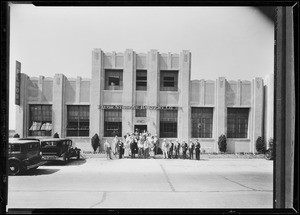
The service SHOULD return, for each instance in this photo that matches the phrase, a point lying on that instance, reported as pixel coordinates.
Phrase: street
(145, 183)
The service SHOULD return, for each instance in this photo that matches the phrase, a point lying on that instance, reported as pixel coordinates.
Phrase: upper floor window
(237, 122)
(168, 80)
(113, 79)
(40, 120)
(141, 80)
(202, 121)
(78, 120)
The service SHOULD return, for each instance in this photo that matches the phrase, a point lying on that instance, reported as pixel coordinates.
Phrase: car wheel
(14, 167)
(268, 155)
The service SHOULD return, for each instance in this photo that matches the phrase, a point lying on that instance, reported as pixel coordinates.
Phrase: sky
(231, 42)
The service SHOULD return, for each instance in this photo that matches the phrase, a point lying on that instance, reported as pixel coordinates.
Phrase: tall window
(237, 122)
(168, 123)
(40, 119)
(112, 123)
(141, 80)
(113, 79)
(168, 80)
(140, 112)
(202, 119)
(78, 119)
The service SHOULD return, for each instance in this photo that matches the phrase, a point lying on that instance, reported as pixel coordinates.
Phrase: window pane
(40, 120)
(78, 120)
(168, 80)
(202, 119)
(140, 112)
(237, 122)
(168, 123)
(113, 79)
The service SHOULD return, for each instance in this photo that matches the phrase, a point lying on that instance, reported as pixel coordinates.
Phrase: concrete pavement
(146, 183)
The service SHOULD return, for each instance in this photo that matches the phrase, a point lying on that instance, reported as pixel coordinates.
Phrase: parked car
(58, 149)
(23, 154)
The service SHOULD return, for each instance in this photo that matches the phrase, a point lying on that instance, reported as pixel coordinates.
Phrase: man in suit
(197, 149)
(120, 147)
(177, 148)
(191, 149)
(184, 147)
(170, 154)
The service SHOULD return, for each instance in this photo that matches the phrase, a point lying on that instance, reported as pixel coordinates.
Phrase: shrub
(56, 135)
(260, 145)
(222, 143)
(95, 142)
(16, 135)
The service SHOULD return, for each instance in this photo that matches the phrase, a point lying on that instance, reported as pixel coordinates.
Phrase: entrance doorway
(140, 128)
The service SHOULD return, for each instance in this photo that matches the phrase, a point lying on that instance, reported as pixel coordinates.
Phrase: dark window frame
(168, 127)
(78, 121)
(113, 76)
(112, 122)
(202, 122)
(141, 80)
(40, 113)
(237, 122)
(169, 80)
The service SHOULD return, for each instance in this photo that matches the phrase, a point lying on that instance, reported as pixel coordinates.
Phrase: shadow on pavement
(39, 171)
(72, 162)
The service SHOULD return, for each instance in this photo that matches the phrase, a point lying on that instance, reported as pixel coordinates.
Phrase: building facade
(150, 91)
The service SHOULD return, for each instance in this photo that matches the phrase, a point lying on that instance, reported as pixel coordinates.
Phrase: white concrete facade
(221, 94)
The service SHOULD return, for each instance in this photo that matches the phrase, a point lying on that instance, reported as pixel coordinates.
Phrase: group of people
(175, 150)
(146, 146)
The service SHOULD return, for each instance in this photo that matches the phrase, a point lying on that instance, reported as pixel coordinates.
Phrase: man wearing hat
(191, 149)
(197, 149)
(184, 147)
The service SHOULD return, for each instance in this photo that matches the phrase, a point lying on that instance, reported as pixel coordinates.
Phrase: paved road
(150, 183)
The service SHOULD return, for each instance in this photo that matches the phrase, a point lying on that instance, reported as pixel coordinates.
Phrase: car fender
(16, 160)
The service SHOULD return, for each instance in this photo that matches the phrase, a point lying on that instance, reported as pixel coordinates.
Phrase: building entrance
(140, 128)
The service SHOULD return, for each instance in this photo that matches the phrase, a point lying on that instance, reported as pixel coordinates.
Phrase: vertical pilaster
(184, 112)
(58, 106)
(221, 112)
(128, 90)
(97, 87)
(153, 89)
(40, 88)
(77, 93)
(202, 91)
(257, 111)
(238, 100)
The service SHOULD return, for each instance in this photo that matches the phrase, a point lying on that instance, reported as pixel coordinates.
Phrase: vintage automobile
(23, 154)
(58, 149)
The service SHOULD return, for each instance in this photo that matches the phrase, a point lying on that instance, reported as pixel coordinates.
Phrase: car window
(14, 148)
(32, 146)
(49, 143)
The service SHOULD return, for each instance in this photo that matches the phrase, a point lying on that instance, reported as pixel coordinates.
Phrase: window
(78, 122)
(141, 80)
(168, 123)
(140, 113)
(40, 120)
(202, 119)
(168, 80)
(112, 123)
(14, 148)
(237, 122)
(113, 79)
